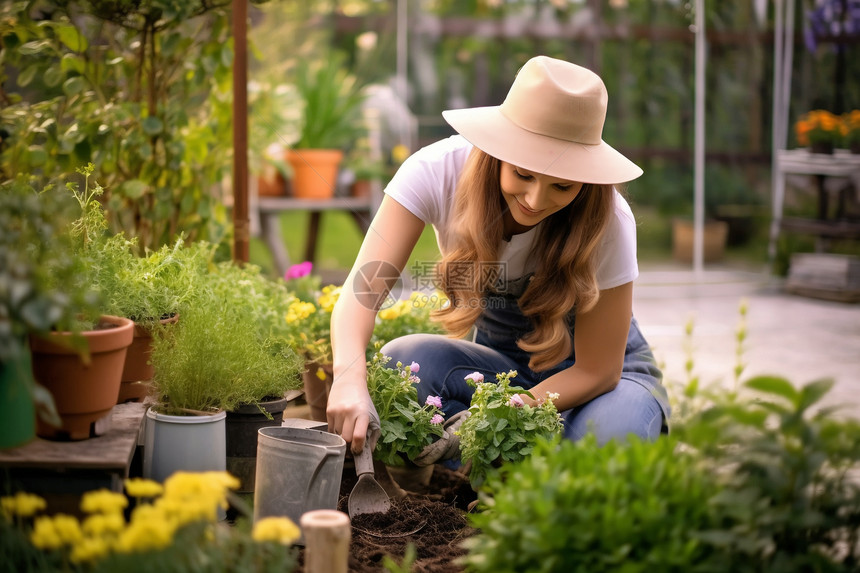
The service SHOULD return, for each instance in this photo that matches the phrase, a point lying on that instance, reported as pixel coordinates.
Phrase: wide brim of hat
(489, 130)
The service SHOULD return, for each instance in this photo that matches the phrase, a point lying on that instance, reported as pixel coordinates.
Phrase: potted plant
(82, 368)
(332, 101)
(221, 355)
(274, 116)
(42, 289)
(819, 130)
(150, 290)
(262, 399)
(406, 426)
(309, 333)
(500, 427)
(364, 168)
(851, 130)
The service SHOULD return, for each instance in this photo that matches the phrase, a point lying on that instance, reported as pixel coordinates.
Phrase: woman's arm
(600, 339)
(386, 248)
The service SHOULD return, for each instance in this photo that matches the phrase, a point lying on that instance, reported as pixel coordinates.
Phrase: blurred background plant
(818, 126)
(143, 91)
(402, 317)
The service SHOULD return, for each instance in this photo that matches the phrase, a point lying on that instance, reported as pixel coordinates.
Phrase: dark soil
(433, 520)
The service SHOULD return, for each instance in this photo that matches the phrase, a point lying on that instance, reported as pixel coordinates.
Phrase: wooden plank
(111, 451)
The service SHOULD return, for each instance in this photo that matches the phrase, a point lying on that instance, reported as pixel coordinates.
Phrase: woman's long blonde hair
(564, 278)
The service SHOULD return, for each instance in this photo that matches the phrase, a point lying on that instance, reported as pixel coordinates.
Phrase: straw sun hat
(551, 122)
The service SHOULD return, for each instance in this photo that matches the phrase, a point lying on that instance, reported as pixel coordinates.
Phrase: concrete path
(799, 338)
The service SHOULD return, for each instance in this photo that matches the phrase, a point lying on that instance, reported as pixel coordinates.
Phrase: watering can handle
(364, 461)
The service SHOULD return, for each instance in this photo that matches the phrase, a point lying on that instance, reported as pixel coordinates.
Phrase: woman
(538, 261)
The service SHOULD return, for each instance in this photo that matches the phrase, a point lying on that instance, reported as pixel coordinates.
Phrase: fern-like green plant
(226, 349)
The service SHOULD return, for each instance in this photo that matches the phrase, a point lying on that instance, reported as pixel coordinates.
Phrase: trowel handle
(364, 461)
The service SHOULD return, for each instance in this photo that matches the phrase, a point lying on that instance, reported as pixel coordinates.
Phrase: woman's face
(532, 197)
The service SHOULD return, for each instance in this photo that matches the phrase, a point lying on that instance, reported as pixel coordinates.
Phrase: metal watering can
(298, 470)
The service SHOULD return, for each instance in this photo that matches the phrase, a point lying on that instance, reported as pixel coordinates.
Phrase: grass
(340, 238)
(338, 242)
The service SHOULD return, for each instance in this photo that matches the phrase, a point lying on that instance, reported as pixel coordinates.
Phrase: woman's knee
(628, 409)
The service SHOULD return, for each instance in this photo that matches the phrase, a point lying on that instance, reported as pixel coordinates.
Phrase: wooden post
(241, 221)
(327, 535)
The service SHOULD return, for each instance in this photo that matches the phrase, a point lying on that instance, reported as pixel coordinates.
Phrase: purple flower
(516, 401)
(434, 401)
(437, 419)
(299, 270)
(414, 367)
(475, 377)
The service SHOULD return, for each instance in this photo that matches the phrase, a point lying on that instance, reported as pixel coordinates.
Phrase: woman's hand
(351, 413)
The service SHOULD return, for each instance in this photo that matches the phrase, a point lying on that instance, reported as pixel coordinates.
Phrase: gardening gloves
(448, 446)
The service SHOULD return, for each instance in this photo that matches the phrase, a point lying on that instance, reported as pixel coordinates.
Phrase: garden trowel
(367, 496)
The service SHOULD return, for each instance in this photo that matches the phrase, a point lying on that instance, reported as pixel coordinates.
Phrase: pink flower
(516, 401)
(475, 377)
(437, 419)
(299, 270)
(414, 367)
(434, 401)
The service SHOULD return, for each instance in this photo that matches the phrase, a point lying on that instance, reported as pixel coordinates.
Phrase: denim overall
(638, 404)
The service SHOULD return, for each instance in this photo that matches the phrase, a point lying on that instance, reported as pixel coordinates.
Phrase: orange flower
(818, 126)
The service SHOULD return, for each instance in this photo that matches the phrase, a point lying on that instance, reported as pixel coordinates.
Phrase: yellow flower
(299, 310)
(99, 524)
(139, 487)
(278, 529)
(21, 504)
(399, 153)
(149, 530)
(55, 532)
(389, 313)
(103, 501)
(89, 549)
(329, 297)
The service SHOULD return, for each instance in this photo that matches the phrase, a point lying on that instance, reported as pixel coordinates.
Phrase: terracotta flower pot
(317, 380)
(84, 391)
(314, 172)
(683, 235)
(137, 371)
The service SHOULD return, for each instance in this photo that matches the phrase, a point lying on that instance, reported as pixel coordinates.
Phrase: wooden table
(62, 471)
(362, 210)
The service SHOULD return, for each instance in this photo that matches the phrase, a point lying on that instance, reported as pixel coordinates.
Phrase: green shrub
(574, 506)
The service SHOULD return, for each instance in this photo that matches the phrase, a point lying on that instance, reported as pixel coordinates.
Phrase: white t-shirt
(426, 182)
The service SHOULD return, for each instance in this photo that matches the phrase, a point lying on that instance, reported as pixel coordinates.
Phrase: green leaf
(34, 48)
(27, 74)
(152, 125)
(133, 189)
(813, 392)
(73, 86)
(53, 76)
(774, 385)
(37, 155)
(71, 37)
